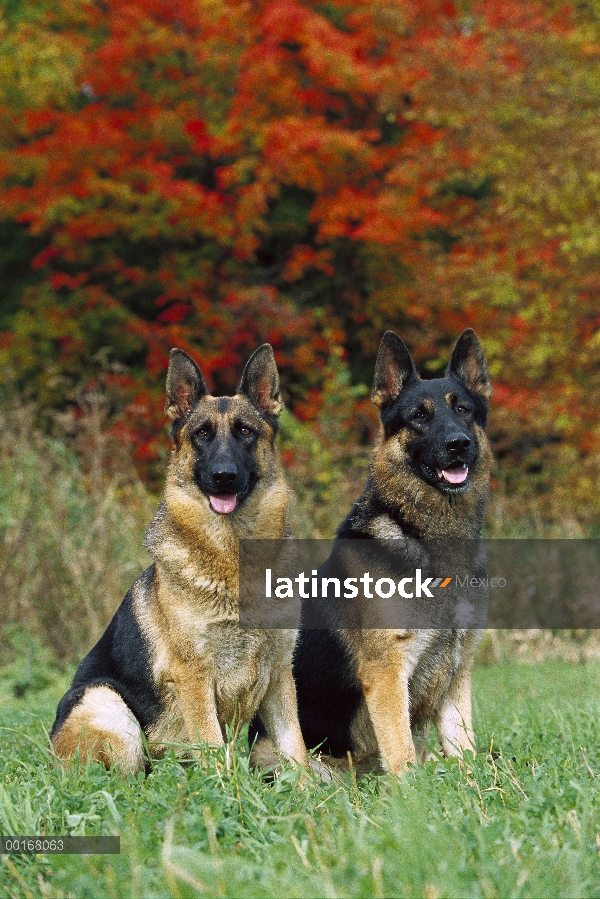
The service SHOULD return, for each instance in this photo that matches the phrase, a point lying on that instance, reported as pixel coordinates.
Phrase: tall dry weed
(70, 533)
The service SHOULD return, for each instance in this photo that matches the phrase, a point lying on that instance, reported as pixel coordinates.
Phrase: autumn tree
(212, 175)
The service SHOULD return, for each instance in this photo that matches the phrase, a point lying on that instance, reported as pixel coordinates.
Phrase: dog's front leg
(279, 713)
(454, 722)
(385, 686)
(196, 694)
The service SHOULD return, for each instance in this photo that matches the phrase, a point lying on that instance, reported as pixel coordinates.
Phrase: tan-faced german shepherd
(364, 689)
(173, 664)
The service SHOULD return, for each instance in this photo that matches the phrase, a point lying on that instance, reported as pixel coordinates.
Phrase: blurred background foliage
(213, 174)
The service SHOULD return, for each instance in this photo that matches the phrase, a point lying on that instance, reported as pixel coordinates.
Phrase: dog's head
(434, 430)
(223, 445)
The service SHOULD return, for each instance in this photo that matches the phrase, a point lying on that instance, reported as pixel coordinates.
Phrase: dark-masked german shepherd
(363, 689)
(173, 664)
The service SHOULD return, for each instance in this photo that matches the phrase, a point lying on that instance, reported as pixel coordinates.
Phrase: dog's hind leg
(101, 727)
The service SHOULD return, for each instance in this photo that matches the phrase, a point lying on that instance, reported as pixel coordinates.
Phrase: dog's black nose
(224, 476)
(458, 443)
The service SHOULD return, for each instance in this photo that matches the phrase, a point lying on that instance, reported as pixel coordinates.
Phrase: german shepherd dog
(364, 689)
(173, 664)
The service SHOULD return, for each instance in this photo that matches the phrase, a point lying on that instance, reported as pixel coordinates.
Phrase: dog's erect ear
(468, 363)
(260, 381)
(185, 385)
(393, 370)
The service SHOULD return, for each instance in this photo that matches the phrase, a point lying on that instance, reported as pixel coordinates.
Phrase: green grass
(522, 819)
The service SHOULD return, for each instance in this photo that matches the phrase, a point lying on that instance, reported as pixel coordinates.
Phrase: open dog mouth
(454, 478)
(223, 503)
(456, 475)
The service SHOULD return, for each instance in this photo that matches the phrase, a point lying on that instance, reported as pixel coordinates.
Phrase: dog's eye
(201, 432)
(462, 410)
(245, 432)
(419, 415)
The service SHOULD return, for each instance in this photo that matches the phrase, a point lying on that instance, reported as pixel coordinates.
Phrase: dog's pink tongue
(454, 475)
(225, 503)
